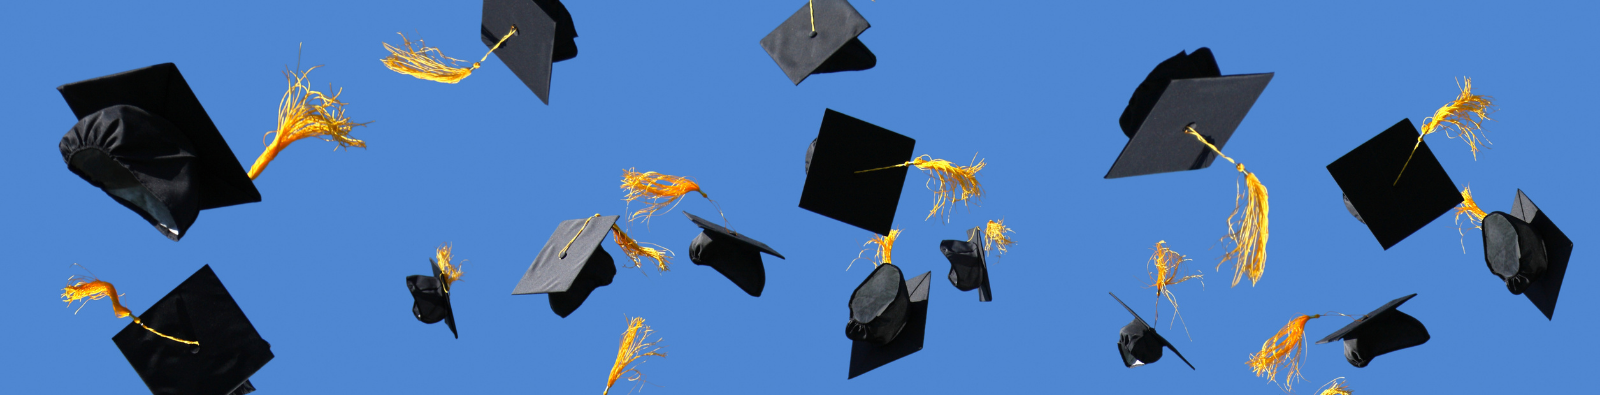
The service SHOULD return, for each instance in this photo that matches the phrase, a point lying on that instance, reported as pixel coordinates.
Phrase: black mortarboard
(1183, 91)
(844, 146)
(969, 266)
(888, 318)
(1527, 251)
(1139, 344)
(430, 297)
(199, 310)
(820, 38)
(571, 264)
(544, 36)
(1394, 210)
(143, 138)
(1380, 332)
(736, 256)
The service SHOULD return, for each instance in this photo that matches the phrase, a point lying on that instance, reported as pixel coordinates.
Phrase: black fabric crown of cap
(820, 38)
(1527, 251)
(571, 264)
(430, 297)
(1187, 90)
(143, 138)
(1394, 209)
(1382, 331)
(545, 35)
(835, 189)
(199, 309)
(969, 267)
(736, 256)
(888, 318)
(1139, 344)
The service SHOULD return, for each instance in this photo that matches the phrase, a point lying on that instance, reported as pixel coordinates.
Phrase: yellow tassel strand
(1474, 215)
(634, 345)
(1166, 262)
(429, 64)
(95, 290)
(451, 273)
(1283, 350)
(306, 113)
(1465, 114)
(950, 177)
(885, 247)
(994, 236)
(659, 190)
(1336, 387)
(1250, 237)
(633, 249)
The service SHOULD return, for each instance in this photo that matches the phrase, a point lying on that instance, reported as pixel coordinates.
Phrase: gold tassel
(1166, 262)
(885, 247)
(1465, 114)
(1474, 215)
(994, 236)
(429, 64)
(306, 113)
(632, 347)
(1250, 238)
(633, 249)
(1336, 387)
(95, 290)
(659, 190)
(451, 273)
(1283, 350)
(950, 177)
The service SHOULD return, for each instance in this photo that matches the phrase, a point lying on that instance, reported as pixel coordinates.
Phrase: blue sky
(683, 88)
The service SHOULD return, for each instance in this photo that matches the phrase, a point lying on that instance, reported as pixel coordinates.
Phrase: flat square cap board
(832, 47)
(571, 264)
(199, 310)
(734, 255)
(866, 356)
(1392, 211)
(1544, 291)
(1384, 330)
(1213, 106)
(1139, 343)
(545, 35)
(833, 188)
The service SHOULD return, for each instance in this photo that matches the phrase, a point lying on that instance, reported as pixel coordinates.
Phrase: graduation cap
(820, 38)
(431, 298)
(544, 35)
(969, 267)
(1394, 209)
(888, 318)
(199, 309)
(1140, 344)
(1527, 251)
(143, 138)
(571, 264)
(844, 146)
(1187, 90)
(1382, 331)
(736, 256)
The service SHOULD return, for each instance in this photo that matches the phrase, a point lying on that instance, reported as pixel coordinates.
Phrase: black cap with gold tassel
(572, 264)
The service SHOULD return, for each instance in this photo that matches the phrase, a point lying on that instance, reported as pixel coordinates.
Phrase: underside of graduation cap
(430, 302)
(544, 35)
(198, 310)
(571, 264)
(820, 38)
(1544, 291)
(968, 266)
(866, 356)
(1393, 209)
(1382, 331)
(736, 256)
(1213, 106)
(1139, 343)
(141, 161)
(1199, 64)
(835, 189)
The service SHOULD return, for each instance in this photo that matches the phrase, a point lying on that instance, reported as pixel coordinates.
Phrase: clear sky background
(682, 87)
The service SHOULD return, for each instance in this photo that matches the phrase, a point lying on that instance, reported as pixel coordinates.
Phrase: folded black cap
(1382, 331)
(430, 297)
(888, 318)
(969, 266)
(200, 310)
(1183, 91)
(1393, 210)
(736, 256)
(544, 36)
(143, 138)
(1140, 344)
(1527, 251)
(833, 187)
(571, 264)
(820, 38)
